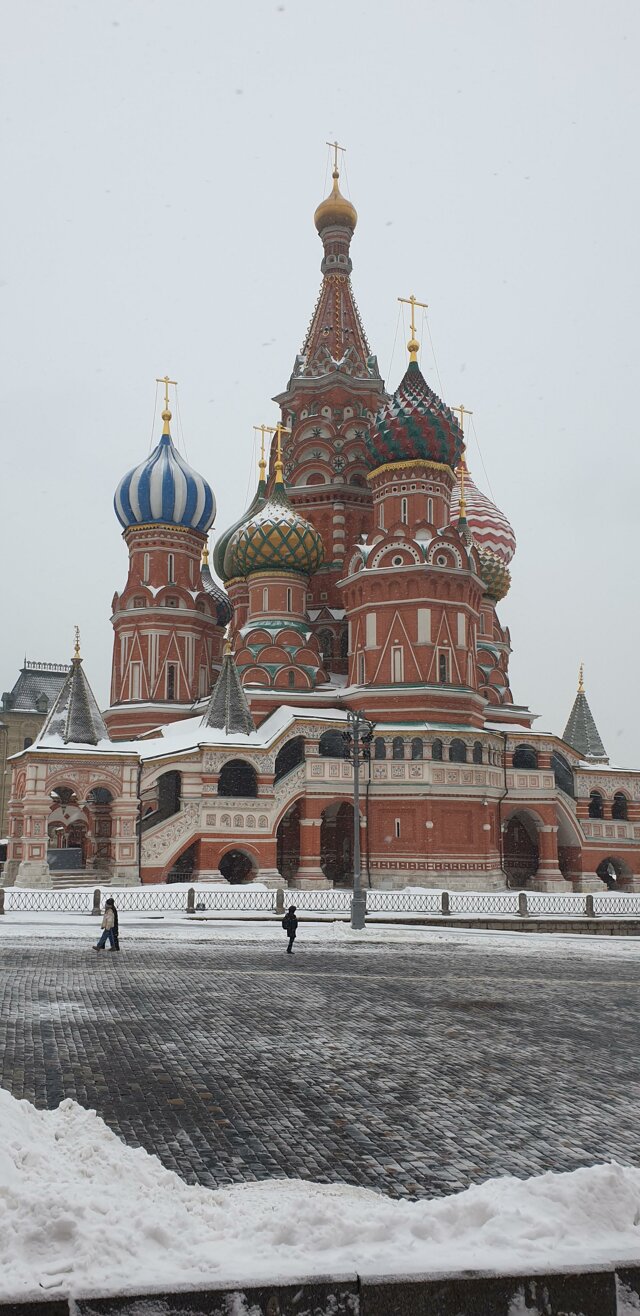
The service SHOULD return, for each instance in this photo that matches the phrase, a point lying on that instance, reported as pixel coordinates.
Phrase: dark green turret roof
(581, 731)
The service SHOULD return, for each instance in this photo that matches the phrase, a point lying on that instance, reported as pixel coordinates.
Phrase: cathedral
(366, 575)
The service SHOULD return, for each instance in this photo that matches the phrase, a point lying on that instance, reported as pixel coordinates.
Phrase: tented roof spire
(581, 731)
(228, 709)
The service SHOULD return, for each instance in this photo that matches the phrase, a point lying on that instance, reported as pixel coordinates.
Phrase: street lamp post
(358, 738)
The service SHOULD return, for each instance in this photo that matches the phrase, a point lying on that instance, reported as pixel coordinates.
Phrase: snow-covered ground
(315, 930)
(80, 1211)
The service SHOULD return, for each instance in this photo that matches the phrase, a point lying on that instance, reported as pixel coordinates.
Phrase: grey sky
(161, 163)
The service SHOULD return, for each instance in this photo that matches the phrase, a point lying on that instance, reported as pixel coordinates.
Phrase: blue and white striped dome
(165, 490)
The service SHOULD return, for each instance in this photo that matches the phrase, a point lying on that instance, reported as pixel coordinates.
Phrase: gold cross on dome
(262, 430)
(335, 148)
(413, 344)
(280, 430)
(462, 412)
(166, 381)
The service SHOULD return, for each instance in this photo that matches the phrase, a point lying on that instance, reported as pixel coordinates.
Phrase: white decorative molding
(165, 838)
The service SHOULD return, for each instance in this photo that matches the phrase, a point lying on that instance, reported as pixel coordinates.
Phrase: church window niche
(563, 774)
(397, 829)
(331, 745)
(265, 600)
(482, 623)
(325, 640)
(135, 678)
(29, 741)
(457, 751)
(525, 756)
(202, 682)
(619, 807)
(380, 748)
(289, 757)
(436, 751)
(397, 663)
(381, 516)
(477, 751)
(139, 602)
(238, 780)
(443, 667)
(397, 748)
(344, 643)
(291, 677)
(417, 748)
(289, 600)
(596, 807)
(361, 671)
(171, 569)
(171, 681)
(404, 510)
(145, 569)
(430, 510)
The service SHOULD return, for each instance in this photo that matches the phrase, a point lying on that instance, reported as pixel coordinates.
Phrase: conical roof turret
(581, 731)
(75, 718)
(228, 709)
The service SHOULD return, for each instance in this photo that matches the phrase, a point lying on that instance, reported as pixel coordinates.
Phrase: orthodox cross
(413, 344)
(335, 148)
(462, 412)
(280, 430)
(262, 430)
(166, 415)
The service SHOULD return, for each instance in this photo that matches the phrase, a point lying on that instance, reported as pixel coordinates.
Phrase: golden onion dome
(335, 209)
(495, 574)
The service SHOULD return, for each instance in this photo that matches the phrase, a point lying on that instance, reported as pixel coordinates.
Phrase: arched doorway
(520, 850)
(182, 868)
(288, 844)
(336, 843)
(615, 873)
(237, 867)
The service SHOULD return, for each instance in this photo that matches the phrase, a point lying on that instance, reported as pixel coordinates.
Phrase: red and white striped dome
(488, 525)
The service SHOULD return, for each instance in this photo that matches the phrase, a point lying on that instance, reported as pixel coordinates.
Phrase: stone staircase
(79, 878)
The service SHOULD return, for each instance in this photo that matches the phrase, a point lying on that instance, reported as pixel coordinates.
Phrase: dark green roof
(582, 733)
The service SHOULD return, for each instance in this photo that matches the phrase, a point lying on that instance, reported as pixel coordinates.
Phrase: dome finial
(166, 415)
(280, 430)
(581, 679)
(461, 470)
(413, 346)
(76, 648)
(262, 464)
(335, 209)
(205, 554)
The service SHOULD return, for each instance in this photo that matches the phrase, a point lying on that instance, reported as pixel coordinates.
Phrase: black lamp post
(357, 744)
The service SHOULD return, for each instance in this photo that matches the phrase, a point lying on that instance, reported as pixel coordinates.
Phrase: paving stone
(415, 1071)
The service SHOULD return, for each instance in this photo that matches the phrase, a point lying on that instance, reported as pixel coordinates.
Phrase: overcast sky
(161, 161)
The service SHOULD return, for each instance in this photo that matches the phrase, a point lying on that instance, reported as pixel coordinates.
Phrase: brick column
(548, 877)
(310, 873)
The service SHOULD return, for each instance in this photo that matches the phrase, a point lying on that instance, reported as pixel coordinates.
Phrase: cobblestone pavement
(414, 1070)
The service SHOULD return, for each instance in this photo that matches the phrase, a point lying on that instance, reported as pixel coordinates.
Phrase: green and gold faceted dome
(495, 574)
(276, 538)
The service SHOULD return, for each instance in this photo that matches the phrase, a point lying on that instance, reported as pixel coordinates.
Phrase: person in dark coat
(116, 934)
(290, 924)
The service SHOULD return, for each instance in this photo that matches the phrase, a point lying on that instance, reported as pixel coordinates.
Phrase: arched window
(430, 510)
(28, 740)
(291, 677)
(619, 807)
(381, 516)
(436, 751)
(404, 510)
(289, 757)
(524, 756)
(170, 568)
(397, 749)
(596, 809)
(477, 751)
(563, 774)
(289, 600)
(238, 779)
(417, 748)
(331, 745)
(380, 748)
(457, 751)
(265, 599)
(145, 568)
(325, 640)
(101, 795)
(443, 668)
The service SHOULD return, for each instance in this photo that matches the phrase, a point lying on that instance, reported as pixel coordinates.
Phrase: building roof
(36, 683)
(581, 731)
(228, 708)
(75, 717)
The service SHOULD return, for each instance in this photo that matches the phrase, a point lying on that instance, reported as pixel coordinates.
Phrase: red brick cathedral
(365, 575)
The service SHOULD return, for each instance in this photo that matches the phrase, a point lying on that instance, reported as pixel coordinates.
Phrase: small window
(381, 516)
(397, 829)
(145, 569)
(361, 672)
(135, 678)
(380, 748)
(289, 600)
(443, 668)
(171, 681)
(457, 751)
(477, 751)
(265, 600)
(171, 569)
(619, 807)
(28, 740)
(482, 623)
(417, 748)
(291, 678)
(596, 807)
(397, 663)
(436, 751)
(171, 602)
(430, 510)
(397, 749)
(404, 510)
(525, 756)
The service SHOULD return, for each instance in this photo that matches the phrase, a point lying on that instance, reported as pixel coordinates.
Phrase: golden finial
(462, 411)
(461, 472)
(581, 679)
(262, 464)
(335, 148)
(413, 346)
(335, 209)
(205, 554)
(166, 415)
(280, 430)
(76, 650)
(228, 648)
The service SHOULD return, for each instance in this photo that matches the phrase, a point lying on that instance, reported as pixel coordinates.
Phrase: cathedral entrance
(520, 850)
(236, 867)
(336, 843)
(288, 844)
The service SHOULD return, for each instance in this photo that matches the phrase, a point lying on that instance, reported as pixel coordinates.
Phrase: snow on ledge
(81, 1211)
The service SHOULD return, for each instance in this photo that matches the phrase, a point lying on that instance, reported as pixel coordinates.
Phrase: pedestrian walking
(109, 926)
(290, 925)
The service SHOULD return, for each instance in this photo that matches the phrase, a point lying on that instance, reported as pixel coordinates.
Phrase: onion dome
(488, 525)
(415, 425)
(223, 560)
(164, 490)
(495, 574)
(276, 537)
(335, 209)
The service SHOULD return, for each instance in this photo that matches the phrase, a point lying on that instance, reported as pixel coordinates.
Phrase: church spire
(228, 709)
(581, 731)
(75, 718)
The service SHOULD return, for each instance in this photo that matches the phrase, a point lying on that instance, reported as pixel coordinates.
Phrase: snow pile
(80, 1211)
